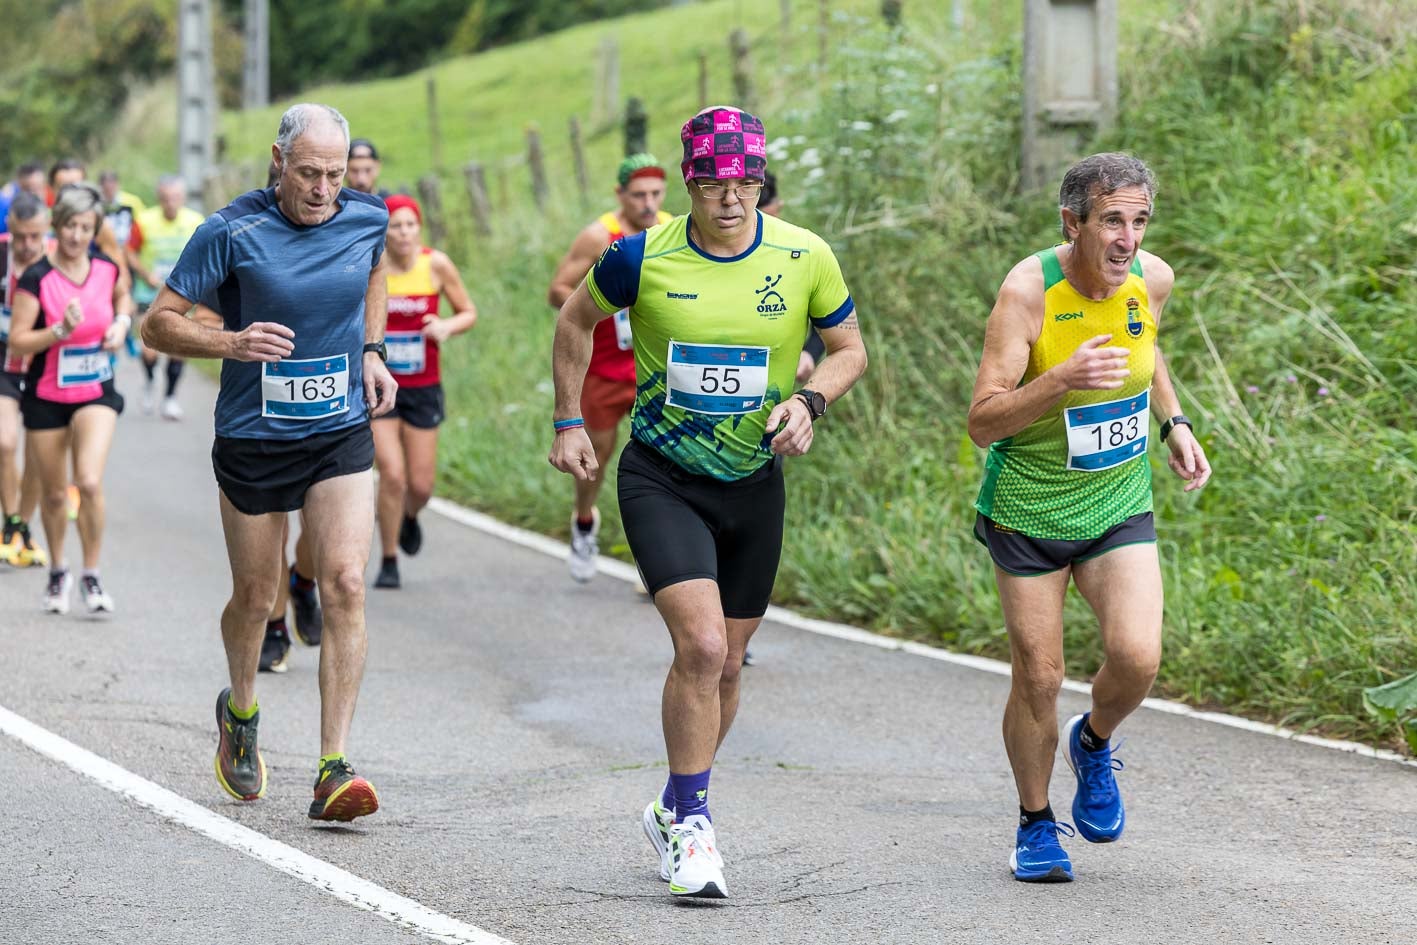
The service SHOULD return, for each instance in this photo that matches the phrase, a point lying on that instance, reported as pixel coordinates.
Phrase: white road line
(400, 910)
(627, 572)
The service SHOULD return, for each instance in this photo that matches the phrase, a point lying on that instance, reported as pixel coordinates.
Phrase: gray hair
(26, 206)
(171, 180)
(298, 119)
(1099, 175)
(77, 199)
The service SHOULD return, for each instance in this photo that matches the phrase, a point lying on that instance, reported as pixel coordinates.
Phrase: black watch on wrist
(378, 347)
(816, 403)
(1174, 422)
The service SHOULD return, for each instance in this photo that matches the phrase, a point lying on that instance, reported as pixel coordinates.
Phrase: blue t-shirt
(251, 264)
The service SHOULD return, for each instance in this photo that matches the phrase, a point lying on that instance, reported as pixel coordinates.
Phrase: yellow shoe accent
(72, 502)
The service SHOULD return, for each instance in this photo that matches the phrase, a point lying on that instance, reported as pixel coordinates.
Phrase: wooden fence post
(430, 195)
(538, 167)
(703, 78)
(477, 197)
(636, 126)
(435, 134)
(578, 158)
(742, 69)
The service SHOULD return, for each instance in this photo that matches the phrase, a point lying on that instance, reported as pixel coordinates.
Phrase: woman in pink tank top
(69, 313)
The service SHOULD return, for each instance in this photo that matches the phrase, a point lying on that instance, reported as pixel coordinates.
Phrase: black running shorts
(12, 384)
(1020, 554)
(682, 526)
(420, 407)
(261, 476)
(40, 414)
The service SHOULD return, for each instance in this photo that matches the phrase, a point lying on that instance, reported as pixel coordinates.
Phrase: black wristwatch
(379, 348)
(816, 403)
(1175, 421)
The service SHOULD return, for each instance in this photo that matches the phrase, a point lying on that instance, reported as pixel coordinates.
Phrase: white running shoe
(95, 597)
(149, 397)
(695, 866)
(656, 823)
(56, 595)
(171, 409)
(584, 548)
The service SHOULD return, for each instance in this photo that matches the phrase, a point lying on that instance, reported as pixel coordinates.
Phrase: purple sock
(666, 796)
(690, 795)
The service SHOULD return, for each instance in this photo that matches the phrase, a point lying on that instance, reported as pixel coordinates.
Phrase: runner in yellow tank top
(1071, 369)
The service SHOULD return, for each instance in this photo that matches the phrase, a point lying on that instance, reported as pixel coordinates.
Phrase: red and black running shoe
(239, 766)
(340, 794)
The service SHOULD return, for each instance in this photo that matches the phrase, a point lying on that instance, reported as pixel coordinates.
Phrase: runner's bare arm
(25, 338)
(123, 309)
(449, 283)
(380, 388)
(999, 408)
(571, 451)
(167, 329)
(843, 365)
(584, 251)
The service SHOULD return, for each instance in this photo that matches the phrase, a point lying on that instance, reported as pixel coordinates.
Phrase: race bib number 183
(1101, 436)
(305, 390)
(716, 379)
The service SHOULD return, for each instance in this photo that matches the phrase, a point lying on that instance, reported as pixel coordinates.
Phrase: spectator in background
(119, 206)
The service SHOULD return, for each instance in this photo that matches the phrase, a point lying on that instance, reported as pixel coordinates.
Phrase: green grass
(1282, 134)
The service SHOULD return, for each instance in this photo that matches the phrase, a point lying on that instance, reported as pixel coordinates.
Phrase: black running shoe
(340, 794)
(388, 574)
(309, 621)
(239, 767)
(410, 536)
(274, 648)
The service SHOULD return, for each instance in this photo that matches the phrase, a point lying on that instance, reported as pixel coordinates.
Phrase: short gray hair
(26, 206)
(77, 199)
(171, 180)
(298, 119)
(1099, 175)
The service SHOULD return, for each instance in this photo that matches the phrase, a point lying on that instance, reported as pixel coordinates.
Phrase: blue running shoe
(1097, 805)
(1038, 857)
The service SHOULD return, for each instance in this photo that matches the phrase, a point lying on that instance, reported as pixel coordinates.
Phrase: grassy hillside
(1282, 133)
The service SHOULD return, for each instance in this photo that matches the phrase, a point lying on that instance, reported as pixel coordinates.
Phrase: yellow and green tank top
(717, 339)
(1081, 468)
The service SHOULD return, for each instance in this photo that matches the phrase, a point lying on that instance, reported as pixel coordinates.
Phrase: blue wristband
(570, 424)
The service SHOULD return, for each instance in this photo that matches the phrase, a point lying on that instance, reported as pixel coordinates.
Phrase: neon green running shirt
(716, 339)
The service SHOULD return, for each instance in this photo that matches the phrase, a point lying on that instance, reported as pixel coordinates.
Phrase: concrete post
(196, 97)
(256, 68)
(1069, 83)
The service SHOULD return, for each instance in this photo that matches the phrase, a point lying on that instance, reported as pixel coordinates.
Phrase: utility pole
(256, 70)
(196, 96)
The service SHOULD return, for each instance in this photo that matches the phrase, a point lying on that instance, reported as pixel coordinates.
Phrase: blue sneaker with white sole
(1097, 805)
(1038, 857)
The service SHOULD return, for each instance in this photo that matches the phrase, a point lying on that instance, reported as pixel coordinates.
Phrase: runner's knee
(253, 598)
(702, 653)
(1135, 659)
(1038, 679)
(90, 485)
(344, 588)
(392, 481)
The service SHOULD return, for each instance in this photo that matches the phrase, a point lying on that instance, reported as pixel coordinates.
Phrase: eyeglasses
(747, 191)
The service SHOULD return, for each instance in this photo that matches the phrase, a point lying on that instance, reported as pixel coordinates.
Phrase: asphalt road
(510, 720)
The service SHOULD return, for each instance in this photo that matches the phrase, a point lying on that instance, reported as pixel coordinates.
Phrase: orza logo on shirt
(771, 304)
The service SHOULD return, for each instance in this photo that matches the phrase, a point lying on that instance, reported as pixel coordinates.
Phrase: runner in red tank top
(609, 390)
(406, 438)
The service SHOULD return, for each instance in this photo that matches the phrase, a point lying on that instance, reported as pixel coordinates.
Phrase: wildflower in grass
(1321, 517)
(1323, 391)
(1251, 389)
(1291, 379)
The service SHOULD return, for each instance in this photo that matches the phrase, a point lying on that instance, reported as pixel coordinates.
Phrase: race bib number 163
(305, 390)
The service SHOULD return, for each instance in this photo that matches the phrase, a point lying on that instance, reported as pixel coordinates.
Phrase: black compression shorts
(682, 526)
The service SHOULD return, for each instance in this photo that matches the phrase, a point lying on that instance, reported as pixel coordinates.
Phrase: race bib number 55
(1101, 436)
(716, 379)
(305, 390)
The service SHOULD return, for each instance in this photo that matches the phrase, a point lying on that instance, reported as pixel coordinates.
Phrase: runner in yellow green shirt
(719, 303)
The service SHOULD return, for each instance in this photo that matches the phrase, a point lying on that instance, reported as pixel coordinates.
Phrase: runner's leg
(420, 453)
(253, 548)
(9, 447)
(282, 604)
(1124, 590)
(393, 482)
(339, 518)
(47, 450)
(739, 633)
(691, 709)
(1033, 615)
(92, 429)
